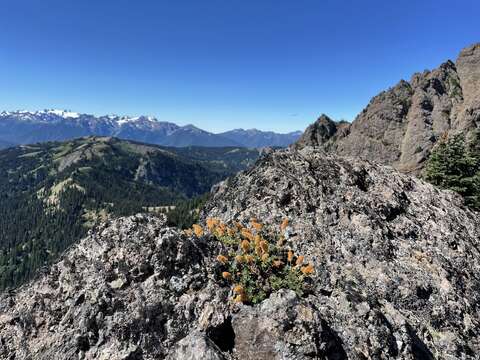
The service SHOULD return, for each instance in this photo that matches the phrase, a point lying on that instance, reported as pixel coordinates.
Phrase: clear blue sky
(222, 64)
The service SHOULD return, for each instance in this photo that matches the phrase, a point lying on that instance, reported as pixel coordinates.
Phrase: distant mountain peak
(127, 119)
(257, 131)
(56, 112)
(25, 127)
(192, 127)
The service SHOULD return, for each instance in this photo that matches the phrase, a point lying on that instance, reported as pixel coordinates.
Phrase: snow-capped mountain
(25, 127)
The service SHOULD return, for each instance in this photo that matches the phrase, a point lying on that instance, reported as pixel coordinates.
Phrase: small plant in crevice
(256, 260)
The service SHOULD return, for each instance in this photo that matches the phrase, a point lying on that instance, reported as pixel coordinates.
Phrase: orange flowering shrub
(211, 223)
(222, 259)
(307, 270)
(226, 275)
(299, 260)
(255, 261)
(197, 229)
(290, 256)
(256, 225)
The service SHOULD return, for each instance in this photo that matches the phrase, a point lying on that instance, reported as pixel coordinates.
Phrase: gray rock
(397, 261)
(321, 132)
(195, 346)
(282, 327)
(108, 298)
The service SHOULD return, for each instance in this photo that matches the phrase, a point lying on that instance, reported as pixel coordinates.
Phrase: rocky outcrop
(115, 295)
(321, 132)
(282, 327)
(400, 126)
(396, 276)
(397, 260)
(468, 68)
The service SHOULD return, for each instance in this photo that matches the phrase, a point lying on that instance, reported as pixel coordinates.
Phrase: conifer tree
(455, 165)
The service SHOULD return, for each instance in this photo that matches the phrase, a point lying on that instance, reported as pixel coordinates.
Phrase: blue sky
(221, 64)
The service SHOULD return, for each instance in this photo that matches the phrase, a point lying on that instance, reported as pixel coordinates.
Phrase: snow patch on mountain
(62, 113)
(25, 127)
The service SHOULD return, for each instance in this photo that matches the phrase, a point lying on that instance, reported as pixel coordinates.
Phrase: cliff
(400, 126)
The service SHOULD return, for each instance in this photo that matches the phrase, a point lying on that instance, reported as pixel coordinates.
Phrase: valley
(52, 193)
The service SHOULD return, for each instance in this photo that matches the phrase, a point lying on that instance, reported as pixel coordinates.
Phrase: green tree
(455, 165)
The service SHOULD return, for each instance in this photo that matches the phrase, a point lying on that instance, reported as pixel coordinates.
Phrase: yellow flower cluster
(240, 295)
(253, 262)
(197, 229)
(222, 259)
(308, 269)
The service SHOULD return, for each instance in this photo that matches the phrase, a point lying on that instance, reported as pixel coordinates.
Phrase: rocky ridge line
(400, 126)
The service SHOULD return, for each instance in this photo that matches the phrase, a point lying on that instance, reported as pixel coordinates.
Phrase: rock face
(321, 132)
(396, 276)
(400, 126)
(113, 296)
(397, 260)
(281, 327)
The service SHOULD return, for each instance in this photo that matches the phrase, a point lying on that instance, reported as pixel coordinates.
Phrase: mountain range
(256, 138)
(24, 127)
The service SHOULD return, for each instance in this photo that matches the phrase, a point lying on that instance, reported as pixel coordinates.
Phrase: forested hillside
(52, 193)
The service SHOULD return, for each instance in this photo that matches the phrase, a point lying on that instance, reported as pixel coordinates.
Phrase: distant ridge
(257, 138)
(26, 127)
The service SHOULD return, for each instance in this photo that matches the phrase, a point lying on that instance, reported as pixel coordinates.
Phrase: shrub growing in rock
(255, 260)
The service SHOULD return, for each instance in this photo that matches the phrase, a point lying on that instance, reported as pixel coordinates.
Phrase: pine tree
(455, 165)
